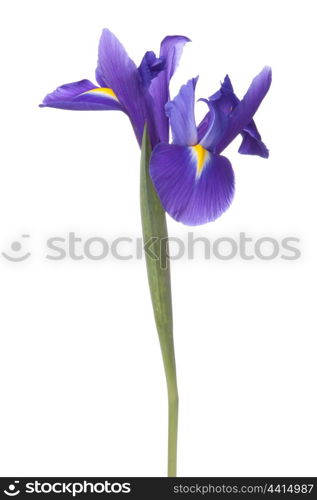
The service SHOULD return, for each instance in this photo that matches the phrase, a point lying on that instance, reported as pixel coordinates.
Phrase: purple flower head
(194, 182)
(141, 93)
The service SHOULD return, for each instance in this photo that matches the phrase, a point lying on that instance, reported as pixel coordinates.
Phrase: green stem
(155, 239)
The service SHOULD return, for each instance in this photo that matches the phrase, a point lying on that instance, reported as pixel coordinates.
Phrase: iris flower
(140, 92)
(189, 179)
(194, 181)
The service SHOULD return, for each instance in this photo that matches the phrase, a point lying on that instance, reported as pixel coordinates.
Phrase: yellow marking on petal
(202, 156)
(104, 91)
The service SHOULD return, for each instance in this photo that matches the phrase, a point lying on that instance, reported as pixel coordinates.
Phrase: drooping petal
(251, 142)
(171, 51)
(82, 95)
(194, 186)
(181, 112)
(116, 70)
(243, 113)
(150, 67)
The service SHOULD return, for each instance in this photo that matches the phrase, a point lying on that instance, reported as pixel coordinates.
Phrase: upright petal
(225, 96)
(203, 126)
(243, 113)
(82, 95)
(194, 186)
(171, 51)
(218, 123)
(181, 112)
(221, 104)
(116, 70)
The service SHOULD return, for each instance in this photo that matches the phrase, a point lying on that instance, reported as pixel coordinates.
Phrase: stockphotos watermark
(75, 247)
(66, 487)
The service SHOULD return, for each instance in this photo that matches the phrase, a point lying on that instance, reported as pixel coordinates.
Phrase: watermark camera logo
(13, 491)
(16, 247)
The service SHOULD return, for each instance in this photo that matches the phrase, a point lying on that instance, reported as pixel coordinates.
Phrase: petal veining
(188, 198)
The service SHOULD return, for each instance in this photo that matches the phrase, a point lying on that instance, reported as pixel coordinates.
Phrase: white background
(82, 384)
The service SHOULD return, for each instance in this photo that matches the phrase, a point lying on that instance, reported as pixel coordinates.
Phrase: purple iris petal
(203, 126)
(251, 139)
(190, 196)
(82, 95)
(69, 90)
(218, 123)
(251, 142)
(227, 101)
(181, 112)
(116, 70)
(225, 96)
(171, 51)
(243, 113)
(221, 103)
(150, 67)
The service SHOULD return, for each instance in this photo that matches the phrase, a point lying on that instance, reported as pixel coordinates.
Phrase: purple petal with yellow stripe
(171, 51)
(194, 186)
(82, 95)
